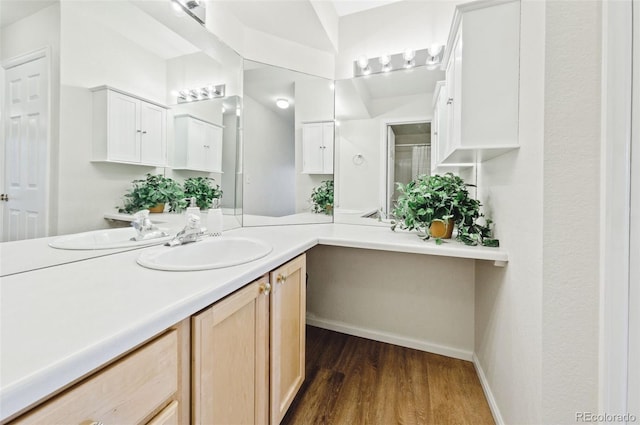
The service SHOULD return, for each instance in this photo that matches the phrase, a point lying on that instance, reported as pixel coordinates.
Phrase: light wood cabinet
(317, 148)
(248, 350)
(288, 306)
(230, 359)
(128, 129)
(146, 386)
(198, 145)
(481, 63)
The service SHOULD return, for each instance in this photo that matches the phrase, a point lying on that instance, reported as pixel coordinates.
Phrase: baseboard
(493, 405)
(389, 338)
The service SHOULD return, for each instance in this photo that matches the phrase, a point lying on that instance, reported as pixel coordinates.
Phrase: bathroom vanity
(98, 316)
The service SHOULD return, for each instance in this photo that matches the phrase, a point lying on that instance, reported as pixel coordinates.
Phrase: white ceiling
(13, 10)
(348, 7)
(292, 20)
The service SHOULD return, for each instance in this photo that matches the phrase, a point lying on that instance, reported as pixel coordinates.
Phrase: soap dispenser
(193, 208)
(214, 219)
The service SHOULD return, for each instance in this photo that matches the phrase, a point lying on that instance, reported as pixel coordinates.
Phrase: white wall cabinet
(317, 148)
(128, 129)
(481, 62)
(198, 145)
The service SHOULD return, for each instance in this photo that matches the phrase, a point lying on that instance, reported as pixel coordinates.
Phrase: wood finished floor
(351, 380)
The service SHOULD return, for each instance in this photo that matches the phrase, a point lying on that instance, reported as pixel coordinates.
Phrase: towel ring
(358, 159)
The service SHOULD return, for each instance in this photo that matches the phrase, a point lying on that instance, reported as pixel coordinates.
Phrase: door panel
(124, 128)
(26, 150)
(153, 135)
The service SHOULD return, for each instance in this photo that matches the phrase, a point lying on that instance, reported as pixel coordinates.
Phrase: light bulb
(384, 59)
(282, 103)
(434, 49)
(409, 54)
(363, 62)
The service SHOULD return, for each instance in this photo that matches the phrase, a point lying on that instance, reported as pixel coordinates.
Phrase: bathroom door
(26, 147)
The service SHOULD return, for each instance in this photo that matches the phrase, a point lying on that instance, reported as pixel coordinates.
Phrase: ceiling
(348, 7)
(13, 10)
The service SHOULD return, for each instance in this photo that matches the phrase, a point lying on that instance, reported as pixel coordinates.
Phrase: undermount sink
(104, 239)
(212, 253)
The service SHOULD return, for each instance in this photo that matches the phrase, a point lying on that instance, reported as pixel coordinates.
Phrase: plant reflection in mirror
(322, 198)
(203, 189)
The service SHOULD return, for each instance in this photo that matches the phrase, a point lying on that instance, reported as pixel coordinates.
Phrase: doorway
(408, 156)
(25, 115)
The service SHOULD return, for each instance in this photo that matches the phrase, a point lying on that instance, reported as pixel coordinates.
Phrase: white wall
(570, 186)
(269, 161)
(20, 38)
(313, 102)
(537, 319)
(93, 55)
(420, 301)
(391, 29)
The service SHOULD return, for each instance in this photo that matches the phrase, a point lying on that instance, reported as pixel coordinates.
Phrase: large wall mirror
(383, 136)
(141, 48)
(288, 143)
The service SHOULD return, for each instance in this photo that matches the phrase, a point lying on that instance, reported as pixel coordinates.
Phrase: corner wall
(536, 339)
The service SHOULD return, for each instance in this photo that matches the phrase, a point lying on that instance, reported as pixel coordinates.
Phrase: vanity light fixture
(209, 92)
(193, 8)
(434, 56)
(282, 103)
(409, 58)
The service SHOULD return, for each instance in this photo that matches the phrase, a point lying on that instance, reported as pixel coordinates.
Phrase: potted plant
(153, 193)
(322, 198)
(434, 204)
(203, 189)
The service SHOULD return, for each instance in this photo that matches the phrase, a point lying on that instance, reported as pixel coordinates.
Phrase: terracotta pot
(328, 209)
(157, 209)
(442, 230)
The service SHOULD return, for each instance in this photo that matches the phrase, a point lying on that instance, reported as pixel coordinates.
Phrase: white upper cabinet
(481, 62)
(317, 148)
(198, 145)
(128, 129)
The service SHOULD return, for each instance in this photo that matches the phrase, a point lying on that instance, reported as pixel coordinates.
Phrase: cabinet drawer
(127, 392)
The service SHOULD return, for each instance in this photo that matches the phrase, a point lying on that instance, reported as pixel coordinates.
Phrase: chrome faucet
(145, 229)
(191, 232)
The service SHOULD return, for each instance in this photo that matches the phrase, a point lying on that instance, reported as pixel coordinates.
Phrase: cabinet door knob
(138, 131)
(144, 132)
(4, 197)
(91, 422)
(265, 288)
(449, 101)
(281, 278)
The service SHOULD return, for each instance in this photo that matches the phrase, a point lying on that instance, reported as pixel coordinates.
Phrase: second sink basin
(104, 239)
(211, 253)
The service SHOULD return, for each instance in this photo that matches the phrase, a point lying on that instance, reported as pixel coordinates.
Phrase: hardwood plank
(353, 380)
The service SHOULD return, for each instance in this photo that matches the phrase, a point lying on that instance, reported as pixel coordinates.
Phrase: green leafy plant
(203, 189)
(322, 198)
(151, 191)
(440, 198)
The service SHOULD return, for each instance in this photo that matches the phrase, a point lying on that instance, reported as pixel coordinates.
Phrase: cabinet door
(153, 139)
(196, 141)
(327, 148)
(312, 148)
(288, 305)
(230, 359)
(455, 93)
(213, 148)
(443, 123)
(123, 128)
(435, 134)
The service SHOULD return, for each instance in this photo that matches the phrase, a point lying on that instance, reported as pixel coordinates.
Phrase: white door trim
(615, 189)
(384, 157)
(27, 57)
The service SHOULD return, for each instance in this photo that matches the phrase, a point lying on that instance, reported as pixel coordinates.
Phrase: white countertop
(59, 323)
